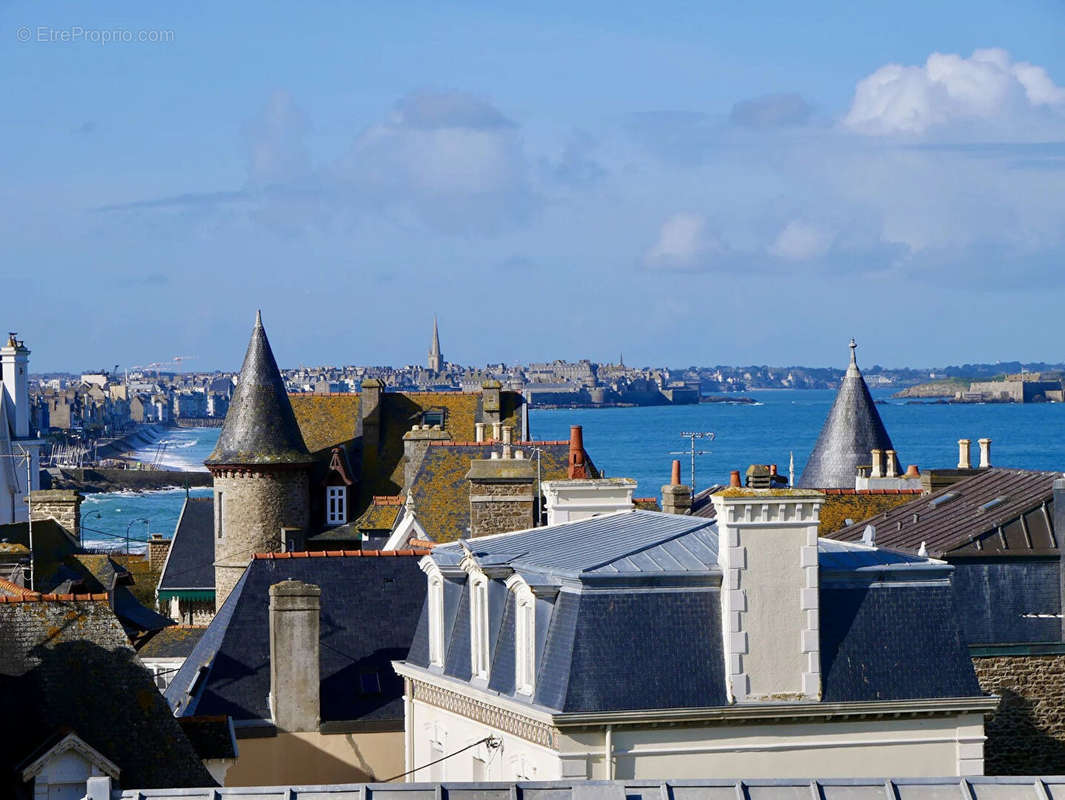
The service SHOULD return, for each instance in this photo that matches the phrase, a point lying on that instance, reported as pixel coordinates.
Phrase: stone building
(20, 463)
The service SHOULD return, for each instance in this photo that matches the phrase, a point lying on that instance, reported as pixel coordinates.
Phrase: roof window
(993, 504)
(943, 499)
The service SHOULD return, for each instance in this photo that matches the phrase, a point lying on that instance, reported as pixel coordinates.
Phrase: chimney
(758, 477)
(508, 436)
(567, 501)
(576, 453)
(478, 431)
(891, 457)
(158, 547)
(912, 471)
(490, 401)
(985, 453)
(676, 496)
(769, 594)
(734, 479)
(501, 495)
(497, 431)
(877, 464)
(370, 408)
(295, 682)
(62, 505)
(964, 446)
(415, 445)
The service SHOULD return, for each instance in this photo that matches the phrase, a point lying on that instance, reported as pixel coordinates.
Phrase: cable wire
(486, 740)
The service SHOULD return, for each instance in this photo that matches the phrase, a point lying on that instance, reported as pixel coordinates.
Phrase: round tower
(261, 468)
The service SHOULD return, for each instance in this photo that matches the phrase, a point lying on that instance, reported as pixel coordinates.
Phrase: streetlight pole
(146, 521)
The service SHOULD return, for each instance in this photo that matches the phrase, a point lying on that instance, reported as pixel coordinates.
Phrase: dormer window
(436, 620)
(479, 625)
(524, 636)
(434, 417)
(336, 505)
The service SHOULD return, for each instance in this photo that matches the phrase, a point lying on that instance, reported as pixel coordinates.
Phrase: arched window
(436, 619)
(524, 636)
(479, 624)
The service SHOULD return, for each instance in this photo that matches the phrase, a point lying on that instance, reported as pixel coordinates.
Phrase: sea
(640, 443)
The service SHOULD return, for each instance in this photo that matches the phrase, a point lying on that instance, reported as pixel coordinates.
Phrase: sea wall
(198, 422)
(103, 479)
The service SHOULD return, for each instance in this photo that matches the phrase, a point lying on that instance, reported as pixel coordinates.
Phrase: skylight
(943, 498)
(990, 504)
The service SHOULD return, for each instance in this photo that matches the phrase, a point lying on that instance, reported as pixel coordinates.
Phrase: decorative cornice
(500, 718)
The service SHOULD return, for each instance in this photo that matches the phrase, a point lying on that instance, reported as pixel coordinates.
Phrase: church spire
(851, 432)
(436, 358)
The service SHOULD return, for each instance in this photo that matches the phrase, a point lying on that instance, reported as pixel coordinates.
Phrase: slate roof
(68, 665)
(260, 427)
(175, 641)
(370, 607)
(853, 429)
(644, 588)
(190, 561)
(441, 493)
(212, 737)
(996, 512)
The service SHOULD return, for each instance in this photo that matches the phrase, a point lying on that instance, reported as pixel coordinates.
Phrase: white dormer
(478, 583)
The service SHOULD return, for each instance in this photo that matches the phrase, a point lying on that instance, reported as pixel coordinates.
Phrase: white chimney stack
(892, 464)
(985, 453)
(767, 550)
(878, 464)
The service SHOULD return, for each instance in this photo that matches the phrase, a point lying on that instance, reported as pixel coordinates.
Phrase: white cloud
(277, 148)
(684, 245)
(987, 86)
(800, 241)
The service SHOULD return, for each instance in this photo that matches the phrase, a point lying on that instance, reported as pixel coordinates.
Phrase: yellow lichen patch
(326, 420)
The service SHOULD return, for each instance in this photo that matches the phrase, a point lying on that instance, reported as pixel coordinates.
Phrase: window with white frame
(525, 639)
(436, 620)
(479, 625)
(336, 505)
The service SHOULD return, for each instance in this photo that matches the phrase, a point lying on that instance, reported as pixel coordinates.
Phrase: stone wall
(1026, 735)
(500, 508)
(255, 506)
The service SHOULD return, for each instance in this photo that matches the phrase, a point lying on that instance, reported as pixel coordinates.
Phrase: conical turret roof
(853, 429)
(260, 428)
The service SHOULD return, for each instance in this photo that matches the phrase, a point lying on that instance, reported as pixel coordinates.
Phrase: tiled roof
(260, 427)
(851, 432)
(999, 511)
(190, 562)
(339, 554)
(174, 641)
(381, 515)
(68, 665)
(441, 491)
(37, 597)
(9, 588)
(105, 573)
(843, 504)
(326, 420)
(357, 637)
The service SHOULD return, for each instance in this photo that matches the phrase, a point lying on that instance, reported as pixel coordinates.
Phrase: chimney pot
(674, 478)
(912, 471)
(985, 453)
(964, 446)
(576, 453)
(734, 479)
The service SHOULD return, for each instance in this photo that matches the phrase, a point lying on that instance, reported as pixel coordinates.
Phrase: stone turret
(852, 431)
(260, 467)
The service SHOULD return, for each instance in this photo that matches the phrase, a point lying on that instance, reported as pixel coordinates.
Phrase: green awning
(187, 594)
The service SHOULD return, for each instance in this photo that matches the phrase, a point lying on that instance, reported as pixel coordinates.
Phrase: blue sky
(682, 182)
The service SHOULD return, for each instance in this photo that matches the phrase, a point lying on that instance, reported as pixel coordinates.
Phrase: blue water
(638, 443)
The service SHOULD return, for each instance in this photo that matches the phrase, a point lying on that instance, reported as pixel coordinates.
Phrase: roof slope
(441, 492)
(326, 420)
(175, 641)
(853, 429)
(260, 427)
(113, 705)
(356, 639)
(969, 515)
(190, 562)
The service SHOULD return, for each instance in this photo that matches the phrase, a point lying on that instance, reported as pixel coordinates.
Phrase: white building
(641, 645)
(19, 449)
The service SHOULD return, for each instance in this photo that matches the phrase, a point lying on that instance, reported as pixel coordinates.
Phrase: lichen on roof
(326, 420)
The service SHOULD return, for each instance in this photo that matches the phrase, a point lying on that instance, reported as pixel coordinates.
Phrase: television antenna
(692, 436)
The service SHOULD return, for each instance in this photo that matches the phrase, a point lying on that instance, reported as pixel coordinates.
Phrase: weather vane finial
(854, 347)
